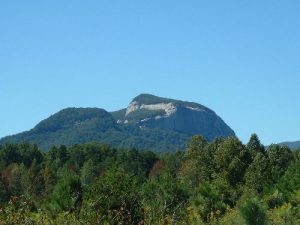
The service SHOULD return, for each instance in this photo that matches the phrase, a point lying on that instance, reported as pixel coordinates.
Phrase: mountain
(292, 145)
(149, 122)
(173, 115)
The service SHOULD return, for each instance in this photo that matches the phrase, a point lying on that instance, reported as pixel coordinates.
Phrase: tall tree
(254, 145)
(280, 158)
(197, 162)
(258, 174)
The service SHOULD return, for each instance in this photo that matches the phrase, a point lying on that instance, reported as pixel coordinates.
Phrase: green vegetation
(218, 183)
(141, 128)
(81, 125)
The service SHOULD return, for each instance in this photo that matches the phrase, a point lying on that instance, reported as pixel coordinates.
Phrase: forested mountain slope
(149, 122)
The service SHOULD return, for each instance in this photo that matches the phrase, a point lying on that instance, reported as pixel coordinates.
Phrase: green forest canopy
(222, 182)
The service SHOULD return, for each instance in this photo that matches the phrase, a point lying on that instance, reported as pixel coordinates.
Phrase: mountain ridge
(294, 145)
(148, 122)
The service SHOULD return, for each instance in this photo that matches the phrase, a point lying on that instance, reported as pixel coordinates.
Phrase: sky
(240, 58)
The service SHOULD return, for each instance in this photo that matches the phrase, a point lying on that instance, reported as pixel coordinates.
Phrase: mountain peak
(149, 99)
(70, 117)
(150, 111)
(149, 102)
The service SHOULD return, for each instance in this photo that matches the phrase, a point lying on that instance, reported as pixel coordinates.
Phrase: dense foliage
(222, 182)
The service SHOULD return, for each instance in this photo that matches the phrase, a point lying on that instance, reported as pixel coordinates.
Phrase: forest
(223, 182)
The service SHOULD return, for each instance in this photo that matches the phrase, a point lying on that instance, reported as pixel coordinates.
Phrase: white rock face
(169, 108)
(158, 117)
(144, 120)
(132, 107)
(195, 109)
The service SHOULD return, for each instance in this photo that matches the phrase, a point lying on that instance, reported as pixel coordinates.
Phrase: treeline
(222, 182)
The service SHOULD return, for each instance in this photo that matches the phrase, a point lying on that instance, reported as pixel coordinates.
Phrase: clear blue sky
(241, 58)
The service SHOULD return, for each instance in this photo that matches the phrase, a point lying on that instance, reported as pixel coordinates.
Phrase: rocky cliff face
(173, 115)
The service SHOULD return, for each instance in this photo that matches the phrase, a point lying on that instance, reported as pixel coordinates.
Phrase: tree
(164, 197)
(231, 160)
(49, 177)
(211, 200)
(13, 177)
(114, 199)
(290, 181)
(285, 214)
(196, 144)
(237, 168)
(9, 154)
(89, 173)
(253, 213)
(58, 156)
(279, 158)
(258, 174)
(4, 194)
(254, 145)
(29, 153)
(196, 165)
(33, 181)
(67, 194)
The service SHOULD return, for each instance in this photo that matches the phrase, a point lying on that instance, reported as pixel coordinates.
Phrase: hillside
(149, 122)
(292, 145)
